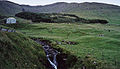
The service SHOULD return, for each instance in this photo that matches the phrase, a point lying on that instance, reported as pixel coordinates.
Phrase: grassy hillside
(96, 46)
(100, 42)
(84, 10)
(98, 11)
(9, 8)
(17, 51)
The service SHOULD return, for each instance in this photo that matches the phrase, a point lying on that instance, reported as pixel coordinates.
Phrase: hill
(84, 10)
(9, 8)
(92, 44)
(18, 52)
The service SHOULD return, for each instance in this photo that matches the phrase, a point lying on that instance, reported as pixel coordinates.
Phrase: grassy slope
(88, 10)
(18, 51)
(105, 48)
(98, 11)
(100, 14)
(9, 8)
(84, 10)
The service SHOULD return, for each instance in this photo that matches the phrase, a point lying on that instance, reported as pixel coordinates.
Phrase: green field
(98, 41)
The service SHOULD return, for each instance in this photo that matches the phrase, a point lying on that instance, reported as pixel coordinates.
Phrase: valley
(98, 41)
(60, 36)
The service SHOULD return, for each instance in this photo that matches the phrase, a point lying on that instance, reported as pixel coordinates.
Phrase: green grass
(100, 14)
(17, 51)
(105, 49)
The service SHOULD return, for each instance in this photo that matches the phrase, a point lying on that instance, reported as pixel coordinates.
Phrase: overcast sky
(44, 2)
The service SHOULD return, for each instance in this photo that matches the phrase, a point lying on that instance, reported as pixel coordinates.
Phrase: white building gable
(11, 20)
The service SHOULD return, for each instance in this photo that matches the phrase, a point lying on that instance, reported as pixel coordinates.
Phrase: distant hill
(84, 10)
(9, 8)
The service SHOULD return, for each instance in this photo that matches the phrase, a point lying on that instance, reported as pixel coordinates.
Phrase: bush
(56, 18)
(2, 19)
(48, 17)
(98, 21)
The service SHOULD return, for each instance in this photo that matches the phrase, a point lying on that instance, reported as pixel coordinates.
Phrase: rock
(64, 59)
(4, 29)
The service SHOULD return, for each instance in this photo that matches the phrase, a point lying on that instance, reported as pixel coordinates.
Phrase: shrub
(97, 21)
(56, 18)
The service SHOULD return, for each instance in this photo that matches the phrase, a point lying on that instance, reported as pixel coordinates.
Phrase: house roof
(11, 18)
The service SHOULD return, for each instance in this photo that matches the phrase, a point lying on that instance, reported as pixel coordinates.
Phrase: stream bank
(58, 58)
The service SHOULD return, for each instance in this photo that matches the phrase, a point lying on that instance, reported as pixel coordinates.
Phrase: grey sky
(44, 2)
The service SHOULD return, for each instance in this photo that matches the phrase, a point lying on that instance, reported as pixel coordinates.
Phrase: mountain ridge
(44, 8)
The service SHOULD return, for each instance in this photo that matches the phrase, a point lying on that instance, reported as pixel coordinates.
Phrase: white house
(10, 20)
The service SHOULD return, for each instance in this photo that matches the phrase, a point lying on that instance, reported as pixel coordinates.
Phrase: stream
(50, 53)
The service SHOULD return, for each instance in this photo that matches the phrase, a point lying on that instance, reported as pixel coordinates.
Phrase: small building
(10, 20)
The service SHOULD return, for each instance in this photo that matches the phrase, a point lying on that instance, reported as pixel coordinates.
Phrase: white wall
(10, 21)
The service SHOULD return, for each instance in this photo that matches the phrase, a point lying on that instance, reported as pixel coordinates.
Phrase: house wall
(10, 21)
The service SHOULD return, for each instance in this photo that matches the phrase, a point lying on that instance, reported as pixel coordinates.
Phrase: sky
(45, 2)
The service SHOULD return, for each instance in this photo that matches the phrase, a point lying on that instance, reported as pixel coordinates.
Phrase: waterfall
(53, 64)
(54, 54)
(50, 52)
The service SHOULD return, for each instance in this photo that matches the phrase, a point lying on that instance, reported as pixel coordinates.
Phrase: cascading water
(50, 53)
